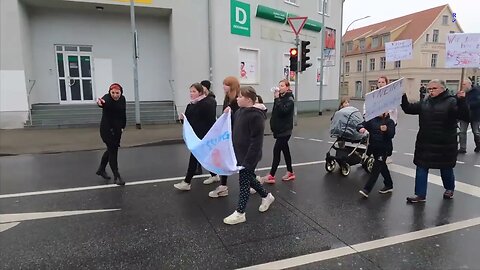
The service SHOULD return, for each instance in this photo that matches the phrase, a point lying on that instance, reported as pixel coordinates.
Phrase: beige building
(365, 58)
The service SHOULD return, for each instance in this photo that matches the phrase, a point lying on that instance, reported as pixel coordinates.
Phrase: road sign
(297, 24)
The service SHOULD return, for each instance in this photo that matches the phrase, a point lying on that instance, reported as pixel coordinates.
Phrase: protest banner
(463, 50)
(383, 99)
(398, 50)
(215, 151)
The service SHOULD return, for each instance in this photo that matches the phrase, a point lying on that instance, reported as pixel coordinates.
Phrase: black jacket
(281, 121)
(436, 144)
(201, 116)
(114, 119)
(380, 143)
(247, 135)
(233, 106)
(463, 113)
(472, 98)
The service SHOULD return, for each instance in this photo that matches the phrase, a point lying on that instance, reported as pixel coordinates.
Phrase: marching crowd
(436, 146)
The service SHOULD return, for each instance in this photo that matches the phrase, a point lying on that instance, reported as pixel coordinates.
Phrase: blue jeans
(421, 180)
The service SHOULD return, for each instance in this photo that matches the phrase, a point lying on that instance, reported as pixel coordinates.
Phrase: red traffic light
(293, 52)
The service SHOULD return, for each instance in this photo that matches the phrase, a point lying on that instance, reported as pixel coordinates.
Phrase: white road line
(331, 142)
(394, 151)
(460, 162)
(142, 182)
(8, 218)
(478, 166)
(300, 138)
(366, 246)
(408, 154)
(315, 140)
(437, 180)
(6, 226)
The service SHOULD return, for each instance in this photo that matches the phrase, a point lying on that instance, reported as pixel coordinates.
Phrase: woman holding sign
(201, 115)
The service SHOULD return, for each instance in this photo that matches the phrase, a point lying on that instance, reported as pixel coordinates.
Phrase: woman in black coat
(436, 144)
(114, 119)
(201, 115)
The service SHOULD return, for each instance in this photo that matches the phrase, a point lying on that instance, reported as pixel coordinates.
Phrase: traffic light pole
(135, 65)
(299, 66)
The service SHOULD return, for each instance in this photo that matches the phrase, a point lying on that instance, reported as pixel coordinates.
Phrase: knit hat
(206, 83)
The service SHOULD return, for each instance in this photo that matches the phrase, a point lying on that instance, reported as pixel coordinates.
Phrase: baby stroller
(350, 145)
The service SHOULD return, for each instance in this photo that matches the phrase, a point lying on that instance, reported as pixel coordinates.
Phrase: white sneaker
(266, 202)
(235, 218)
(182, 186)
(261, 179)
(252, 191)
(211, 179)
(220, 191)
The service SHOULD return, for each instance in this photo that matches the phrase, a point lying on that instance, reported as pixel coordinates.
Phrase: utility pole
(135, 65)
(322, 48)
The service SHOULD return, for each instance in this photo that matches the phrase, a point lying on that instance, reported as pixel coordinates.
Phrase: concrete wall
(109, 34)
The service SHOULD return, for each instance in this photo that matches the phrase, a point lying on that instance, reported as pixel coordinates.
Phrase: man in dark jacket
(472, 102)
(436, 144)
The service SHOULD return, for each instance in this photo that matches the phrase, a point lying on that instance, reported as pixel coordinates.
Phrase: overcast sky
(468, 11)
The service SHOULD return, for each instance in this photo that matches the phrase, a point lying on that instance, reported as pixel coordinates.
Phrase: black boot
(118, 179)
(103, 174)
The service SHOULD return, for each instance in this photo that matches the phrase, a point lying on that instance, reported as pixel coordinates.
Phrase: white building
(65, 52)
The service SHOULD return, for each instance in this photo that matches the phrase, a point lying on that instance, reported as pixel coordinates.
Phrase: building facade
(365, 58)
(66, 52)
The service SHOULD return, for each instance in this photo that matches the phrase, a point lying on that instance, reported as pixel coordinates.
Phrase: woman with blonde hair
(231, 87)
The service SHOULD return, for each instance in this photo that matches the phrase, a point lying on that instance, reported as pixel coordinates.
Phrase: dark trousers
(192, 168)
(379, 167)
(281, 145)
(248, 179)
(110, 156)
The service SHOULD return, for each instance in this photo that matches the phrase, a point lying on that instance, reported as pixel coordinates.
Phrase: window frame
(359, 65)
(372, 64)
(433, 60)
(320, 9)
(383, 62)
(436, 35)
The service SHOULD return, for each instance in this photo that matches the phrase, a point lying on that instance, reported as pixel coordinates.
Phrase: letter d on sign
(240, 12)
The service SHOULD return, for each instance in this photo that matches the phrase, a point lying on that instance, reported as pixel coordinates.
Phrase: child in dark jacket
(382, 131)
(247, 135)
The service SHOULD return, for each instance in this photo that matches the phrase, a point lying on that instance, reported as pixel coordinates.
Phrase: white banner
(384, 99)
(463, 50)
(215, 151)
(398, 50)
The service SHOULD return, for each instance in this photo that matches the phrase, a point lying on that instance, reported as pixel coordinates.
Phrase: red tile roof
(416, 24)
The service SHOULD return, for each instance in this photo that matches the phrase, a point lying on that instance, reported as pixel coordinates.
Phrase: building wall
(13, 98)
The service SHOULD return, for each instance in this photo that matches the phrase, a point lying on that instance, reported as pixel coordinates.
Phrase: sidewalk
(33, 141)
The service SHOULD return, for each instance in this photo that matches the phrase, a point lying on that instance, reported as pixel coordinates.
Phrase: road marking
(142, 182)
(6, 226)
(437, 180)
(331, 142)
(8, 218)
(478, 166)
(315, 140)
(366, 246)
(408, 154)
(300, 138)
(460, 162)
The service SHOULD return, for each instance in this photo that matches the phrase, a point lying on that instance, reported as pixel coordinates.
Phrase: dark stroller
(350, 145)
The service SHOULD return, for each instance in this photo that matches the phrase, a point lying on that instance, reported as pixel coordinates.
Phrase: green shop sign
(276, 15)
(271, 14)
(239, 18)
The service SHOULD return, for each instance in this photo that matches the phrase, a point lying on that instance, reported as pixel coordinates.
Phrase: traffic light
(305, 58)
(293, 59)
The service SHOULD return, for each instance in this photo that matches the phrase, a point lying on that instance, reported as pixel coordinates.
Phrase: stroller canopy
(344, 124)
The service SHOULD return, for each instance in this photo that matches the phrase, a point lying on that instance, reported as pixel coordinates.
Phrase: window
(383, 62)
(398, 64)
(362, 44)
(375, 42)
(433, 62)
(435, 35)
(347, 67)
(359, 65)
(326, 6)
(349, 46)
(445, 19)
(293, 2)
(372, 64)
(385, 39)
(248, 64)
(427, 38)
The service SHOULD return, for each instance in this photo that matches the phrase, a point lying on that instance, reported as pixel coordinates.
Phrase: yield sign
(297, 24)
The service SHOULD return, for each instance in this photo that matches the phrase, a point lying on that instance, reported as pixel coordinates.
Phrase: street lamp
(345, 50)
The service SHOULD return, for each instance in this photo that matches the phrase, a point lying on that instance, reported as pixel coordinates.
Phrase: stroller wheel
(330, 165)
(345, 169)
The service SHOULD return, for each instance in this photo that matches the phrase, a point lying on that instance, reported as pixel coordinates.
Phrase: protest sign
(215, 151)
(398, 50)
(383, 99)
(463, 50)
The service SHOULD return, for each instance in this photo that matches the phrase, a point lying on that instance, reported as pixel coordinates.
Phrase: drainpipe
(210, 56)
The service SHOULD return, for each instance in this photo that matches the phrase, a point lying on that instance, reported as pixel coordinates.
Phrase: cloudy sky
(468, 11)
